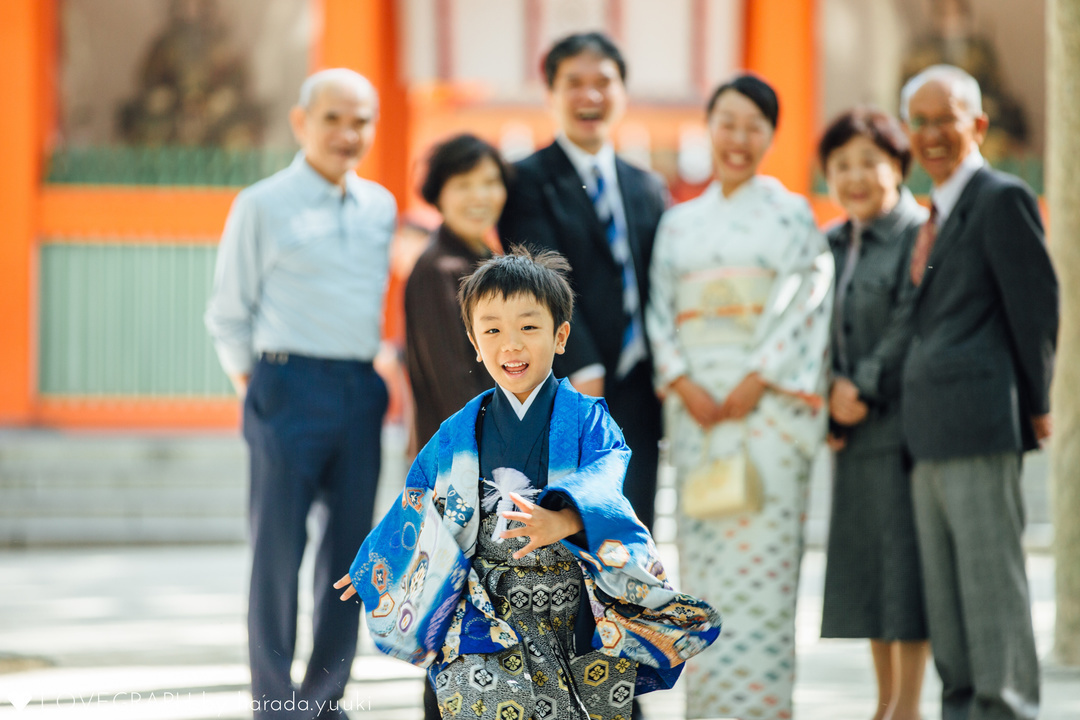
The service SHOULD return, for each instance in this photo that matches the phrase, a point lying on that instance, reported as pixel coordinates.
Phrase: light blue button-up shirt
(302, 268)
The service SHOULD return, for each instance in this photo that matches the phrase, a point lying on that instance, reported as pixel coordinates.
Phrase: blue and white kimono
(423, 598)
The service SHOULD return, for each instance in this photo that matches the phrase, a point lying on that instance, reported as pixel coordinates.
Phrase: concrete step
(64, 488)
(59, 488)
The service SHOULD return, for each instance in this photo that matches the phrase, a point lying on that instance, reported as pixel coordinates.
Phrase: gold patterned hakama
(541, 678)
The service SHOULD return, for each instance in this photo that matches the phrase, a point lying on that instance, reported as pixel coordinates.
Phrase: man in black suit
(975, 398)
(576, 197)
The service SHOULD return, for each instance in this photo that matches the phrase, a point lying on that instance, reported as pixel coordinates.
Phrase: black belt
(284, 358)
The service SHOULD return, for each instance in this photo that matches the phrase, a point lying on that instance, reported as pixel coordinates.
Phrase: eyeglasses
(918, 123)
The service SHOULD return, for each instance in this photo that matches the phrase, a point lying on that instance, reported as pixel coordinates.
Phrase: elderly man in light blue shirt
(296, 317)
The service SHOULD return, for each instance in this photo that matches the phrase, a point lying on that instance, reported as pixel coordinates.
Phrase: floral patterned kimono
(500, 636)
(743, 284)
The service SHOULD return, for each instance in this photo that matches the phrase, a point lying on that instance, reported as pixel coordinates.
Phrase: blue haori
(425, 603)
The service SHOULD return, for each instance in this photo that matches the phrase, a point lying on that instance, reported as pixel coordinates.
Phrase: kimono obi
(721, 306)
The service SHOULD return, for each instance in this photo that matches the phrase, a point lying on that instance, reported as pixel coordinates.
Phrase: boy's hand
(541, 526)
(345, 580)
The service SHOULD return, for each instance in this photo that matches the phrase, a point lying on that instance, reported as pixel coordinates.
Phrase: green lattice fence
(119, 319)
(175, 166)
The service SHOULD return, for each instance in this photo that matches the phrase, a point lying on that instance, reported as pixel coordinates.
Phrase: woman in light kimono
(739, 323)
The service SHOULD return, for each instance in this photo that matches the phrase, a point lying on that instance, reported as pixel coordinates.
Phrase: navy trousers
(313, 427)
(635, 407)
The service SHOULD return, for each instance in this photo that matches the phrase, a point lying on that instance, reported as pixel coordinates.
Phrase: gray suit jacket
(874, 319)
(985, 324)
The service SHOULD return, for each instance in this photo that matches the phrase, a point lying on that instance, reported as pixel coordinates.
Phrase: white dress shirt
(947, 194)
(586, 164)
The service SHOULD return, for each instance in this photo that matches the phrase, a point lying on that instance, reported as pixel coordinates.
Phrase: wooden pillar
(364, 35)
(20, 133)
(1063, 174)
(781, 47)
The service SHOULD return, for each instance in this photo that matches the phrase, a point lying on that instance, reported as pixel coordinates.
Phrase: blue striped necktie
(633, 341)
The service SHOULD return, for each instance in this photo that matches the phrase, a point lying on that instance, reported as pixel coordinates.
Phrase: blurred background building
(129, 126)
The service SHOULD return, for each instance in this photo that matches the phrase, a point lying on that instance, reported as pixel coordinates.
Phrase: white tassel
(497, 495)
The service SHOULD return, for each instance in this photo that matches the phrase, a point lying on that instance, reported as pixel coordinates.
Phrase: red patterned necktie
(924, 243)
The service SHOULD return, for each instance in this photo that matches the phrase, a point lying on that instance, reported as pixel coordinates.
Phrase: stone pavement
(158, 633)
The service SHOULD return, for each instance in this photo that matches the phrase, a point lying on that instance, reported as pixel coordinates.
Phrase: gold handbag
(720, 487)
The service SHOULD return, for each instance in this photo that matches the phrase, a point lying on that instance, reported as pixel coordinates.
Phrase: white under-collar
(752, 188)
(947, 194)
(520, 408)
(584, 162)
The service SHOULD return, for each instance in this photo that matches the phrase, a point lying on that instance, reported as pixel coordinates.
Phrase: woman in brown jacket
(466, 182)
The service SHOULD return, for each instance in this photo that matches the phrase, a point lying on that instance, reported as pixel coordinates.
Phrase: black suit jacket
(985, 326)
(548, 208)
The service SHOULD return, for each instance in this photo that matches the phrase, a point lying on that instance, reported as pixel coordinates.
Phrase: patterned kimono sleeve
(793, 336)
(595, 486)
(660, 312)
(409, 572)
(638, 614)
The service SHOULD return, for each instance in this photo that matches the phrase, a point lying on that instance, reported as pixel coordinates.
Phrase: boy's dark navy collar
(545, 396)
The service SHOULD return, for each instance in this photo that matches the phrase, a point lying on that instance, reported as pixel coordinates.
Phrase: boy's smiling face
(517, 340)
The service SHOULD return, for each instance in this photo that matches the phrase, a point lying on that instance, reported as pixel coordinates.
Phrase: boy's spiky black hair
(541, 274)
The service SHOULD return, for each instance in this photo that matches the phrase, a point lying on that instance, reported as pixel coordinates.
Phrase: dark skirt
(873, 581)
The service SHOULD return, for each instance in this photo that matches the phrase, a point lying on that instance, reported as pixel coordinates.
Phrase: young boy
(566, 614)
